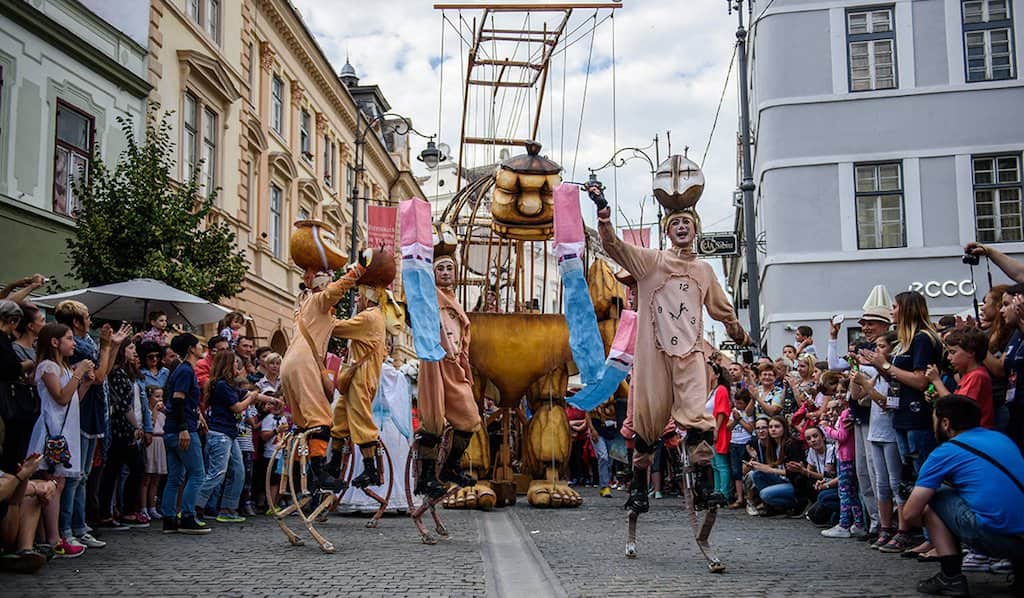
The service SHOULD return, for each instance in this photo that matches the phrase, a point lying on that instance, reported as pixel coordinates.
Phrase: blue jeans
(604, 462)
(179, 464)
(775, 490)
(72, 500)
(958, 516)
(222, 452)
(737, 455)
(915, 446)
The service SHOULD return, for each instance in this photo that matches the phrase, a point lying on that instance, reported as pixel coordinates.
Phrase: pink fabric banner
(640, 237)
(380, 228)
(568, 220)
(415, 228)
(625, 334)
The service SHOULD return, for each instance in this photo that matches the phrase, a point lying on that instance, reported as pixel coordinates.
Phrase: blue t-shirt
(914, 412)
(159, 379)
(996, 501)
(219, 416)
(182, 380)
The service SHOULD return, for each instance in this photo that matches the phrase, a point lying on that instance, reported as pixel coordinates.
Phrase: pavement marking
(513, 565)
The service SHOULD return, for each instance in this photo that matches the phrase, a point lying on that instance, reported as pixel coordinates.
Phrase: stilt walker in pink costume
(670, 377)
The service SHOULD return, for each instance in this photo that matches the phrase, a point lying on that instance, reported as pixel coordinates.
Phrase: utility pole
(747, 185)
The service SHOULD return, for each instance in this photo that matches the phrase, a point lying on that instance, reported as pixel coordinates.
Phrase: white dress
(392, 411)
(52, 416)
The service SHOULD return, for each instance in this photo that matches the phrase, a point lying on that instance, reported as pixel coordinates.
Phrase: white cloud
(670, 64)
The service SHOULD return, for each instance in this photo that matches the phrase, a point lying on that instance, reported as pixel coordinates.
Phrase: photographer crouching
(969, 491)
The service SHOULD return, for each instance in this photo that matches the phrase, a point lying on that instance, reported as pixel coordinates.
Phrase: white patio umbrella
(133, 300)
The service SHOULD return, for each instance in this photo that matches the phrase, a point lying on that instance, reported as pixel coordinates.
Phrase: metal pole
(657, 163)
(747, 186)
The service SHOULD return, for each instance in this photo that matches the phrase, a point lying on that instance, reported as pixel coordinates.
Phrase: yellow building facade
(263, 115)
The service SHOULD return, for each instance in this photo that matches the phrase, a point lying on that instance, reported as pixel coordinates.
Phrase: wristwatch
(886, 367)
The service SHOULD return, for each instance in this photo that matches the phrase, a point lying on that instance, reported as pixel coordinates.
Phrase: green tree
(136, 221)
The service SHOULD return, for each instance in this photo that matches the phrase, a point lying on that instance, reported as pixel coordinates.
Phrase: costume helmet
(678, 183)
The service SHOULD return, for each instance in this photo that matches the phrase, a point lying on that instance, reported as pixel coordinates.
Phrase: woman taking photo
(126, 433)
(918, 346)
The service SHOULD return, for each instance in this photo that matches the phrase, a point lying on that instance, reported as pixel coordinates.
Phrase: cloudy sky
(670, 63)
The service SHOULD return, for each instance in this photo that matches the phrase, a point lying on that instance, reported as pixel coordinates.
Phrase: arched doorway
(279, 342)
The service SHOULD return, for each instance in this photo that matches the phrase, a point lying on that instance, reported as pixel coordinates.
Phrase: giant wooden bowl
(313, 247)
(515, 350)
(380, 269)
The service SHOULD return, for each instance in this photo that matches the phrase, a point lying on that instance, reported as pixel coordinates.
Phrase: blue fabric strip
(421, 301)
(584, 336)
(612, 374)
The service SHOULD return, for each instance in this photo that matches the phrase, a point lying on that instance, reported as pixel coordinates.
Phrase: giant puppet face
(444, 272)
(522, 203)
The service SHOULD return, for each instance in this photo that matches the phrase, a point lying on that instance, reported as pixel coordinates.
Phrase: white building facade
(887, 135)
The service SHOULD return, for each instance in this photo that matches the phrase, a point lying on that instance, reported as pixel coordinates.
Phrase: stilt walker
(357, 381)
(670, 369)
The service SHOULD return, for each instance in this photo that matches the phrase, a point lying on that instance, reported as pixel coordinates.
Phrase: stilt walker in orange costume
(445, 389)
(670, 378)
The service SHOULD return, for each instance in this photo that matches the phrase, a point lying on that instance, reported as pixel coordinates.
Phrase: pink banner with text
(381, 222)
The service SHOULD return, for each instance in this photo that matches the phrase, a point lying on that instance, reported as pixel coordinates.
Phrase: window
(208, 180)
(330, 163)
(274, 234)
(879, 197)
(192, 10)
(250, 196)
(190, 142)
(304, 138)
(988, 35)
(350, 180)
(302, 214)
(871, 43)
(213, 19)
(277, 104)
(253, 67)
(72, 148)
(997, 195)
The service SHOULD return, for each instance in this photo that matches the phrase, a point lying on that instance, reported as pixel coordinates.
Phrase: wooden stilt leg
(701, 530)
(279, 514)
(382, 456)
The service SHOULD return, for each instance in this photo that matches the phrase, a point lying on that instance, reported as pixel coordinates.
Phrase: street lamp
(623, 155)
(747, 184)
(430, 156)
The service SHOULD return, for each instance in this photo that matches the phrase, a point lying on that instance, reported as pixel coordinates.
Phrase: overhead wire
(583, 102)
(440, 105)
(718, 111)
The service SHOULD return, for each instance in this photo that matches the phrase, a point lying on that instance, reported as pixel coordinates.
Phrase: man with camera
(1011, 267)
(969, 491)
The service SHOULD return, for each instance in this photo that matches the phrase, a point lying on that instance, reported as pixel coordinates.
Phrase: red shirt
(722, 434)
(977, 386)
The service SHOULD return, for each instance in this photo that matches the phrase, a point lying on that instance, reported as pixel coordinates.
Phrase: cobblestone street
(582, 548)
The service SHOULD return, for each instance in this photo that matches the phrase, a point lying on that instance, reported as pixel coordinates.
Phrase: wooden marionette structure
(502, 215)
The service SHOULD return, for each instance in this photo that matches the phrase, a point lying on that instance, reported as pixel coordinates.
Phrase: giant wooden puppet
(670, 368)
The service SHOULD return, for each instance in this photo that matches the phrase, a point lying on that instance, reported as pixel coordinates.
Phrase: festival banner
(380, 229)
(418, 278)
(640, 237)
(616, 367)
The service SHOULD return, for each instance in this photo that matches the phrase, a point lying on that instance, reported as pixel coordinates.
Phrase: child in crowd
(741, 426)
(850, 514)
(248, 423)
(233, 323)
(157, 332)
(274, 424)
(156, 455)
(968, 348)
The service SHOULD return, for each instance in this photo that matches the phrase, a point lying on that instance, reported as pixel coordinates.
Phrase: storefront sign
(718, 244)
(947, 288)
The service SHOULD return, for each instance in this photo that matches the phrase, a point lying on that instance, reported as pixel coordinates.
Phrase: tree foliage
(136, 221)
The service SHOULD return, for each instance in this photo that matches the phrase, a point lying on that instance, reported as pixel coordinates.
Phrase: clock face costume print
(669, 373)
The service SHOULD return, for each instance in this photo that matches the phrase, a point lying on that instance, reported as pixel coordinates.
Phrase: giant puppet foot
(478, 496)
(553, 494)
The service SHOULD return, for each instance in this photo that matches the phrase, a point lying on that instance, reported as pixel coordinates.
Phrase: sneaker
(136, 520)
(974, 561)
(68, 550)
(606, 492)
(883, 538)
(658, 496)
(189, 525)
(89, 541)
(1001, 567)
(836, 532)
(45, 550)
(897, 544)
(154, 515)
(752, 510)
(940, 585)
(230, 518)
(22, 561)
(249, 510)
(858, 532)
(112, 525)
(170, 525)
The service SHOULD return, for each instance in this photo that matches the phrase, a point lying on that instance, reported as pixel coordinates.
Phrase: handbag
(343, 380)
(55, 450)
(19, 403)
